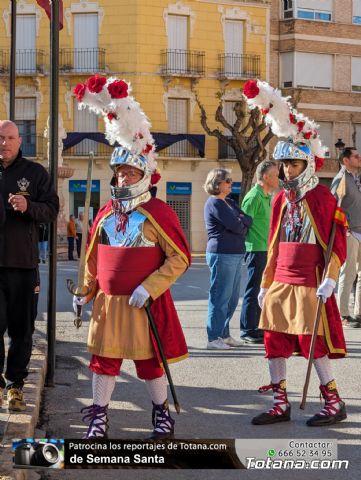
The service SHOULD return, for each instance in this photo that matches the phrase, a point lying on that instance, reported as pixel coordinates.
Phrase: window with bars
(25, 118)
(178, 123)
(181, 204)
(85, 121)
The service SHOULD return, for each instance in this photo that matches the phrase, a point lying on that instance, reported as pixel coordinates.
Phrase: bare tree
(247, 137)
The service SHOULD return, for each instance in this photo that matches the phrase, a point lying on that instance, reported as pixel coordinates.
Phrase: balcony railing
(183, 63)
(27, 62)
(82, 60)
(225, 152)
(180, 149)
(83, 148)
(34, 146)
(234, 65)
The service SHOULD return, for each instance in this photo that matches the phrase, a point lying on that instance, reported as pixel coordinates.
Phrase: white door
(233, 47)
(85, 121)
(177, 43)
(178, 123)
(86, 42)
(25, 44)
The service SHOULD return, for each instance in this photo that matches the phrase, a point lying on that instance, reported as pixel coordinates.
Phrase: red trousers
(146, 369)
(279, 344)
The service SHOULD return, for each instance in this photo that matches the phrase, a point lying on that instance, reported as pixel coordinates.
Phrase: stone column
(64, 171)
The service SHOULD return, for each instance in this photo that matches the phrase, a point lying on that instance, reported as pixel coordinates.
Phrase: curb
(22, 425)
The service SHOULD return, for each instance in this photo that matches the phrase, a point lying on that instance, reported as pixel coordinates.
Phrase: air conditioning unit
(327, 154)
(287, 84)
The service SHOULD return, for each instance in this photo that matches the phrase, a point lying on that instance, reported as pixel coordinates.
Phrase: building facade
(169, 51)
(316, 57)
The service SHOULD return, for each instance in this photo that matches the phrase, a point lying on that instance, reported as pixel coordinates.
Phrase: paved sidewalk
(22, 425)
(217, 391)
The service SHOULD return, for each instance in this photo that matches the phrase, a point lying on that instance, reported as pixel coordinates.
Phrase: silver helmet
(307, 180)
(123, 156)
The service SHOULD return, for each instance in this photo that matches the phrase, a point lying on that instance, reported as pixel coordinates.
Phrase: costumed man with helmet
(303, 213)
(136, 251)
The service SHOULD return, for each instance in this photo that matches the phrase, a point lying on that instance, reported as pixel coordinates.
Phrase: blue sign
(80, 186)
(179, 188)
(236, 187)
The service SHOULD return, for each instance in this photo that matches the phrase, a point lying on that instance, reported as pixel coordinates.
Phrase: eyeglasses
(228, 180)
(129, 174)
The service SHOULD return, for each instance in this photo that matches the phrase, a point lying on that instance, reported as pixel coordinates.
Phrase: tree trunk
(247, 177)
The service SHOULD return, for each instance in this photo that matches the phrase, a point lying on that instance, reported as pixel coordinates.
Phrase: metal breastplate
(133, 235)
(296, 225)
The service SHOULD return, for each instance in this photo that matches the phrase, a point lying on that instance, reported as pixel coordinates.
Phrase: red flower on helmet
(155, 177)
(79, 91)
(319, 163)
(96, 83)
(307, 135)
(300, 126)
(250, 89)
(264, 111)
(292, 118)
(111, 116)
(118, 89)
(148, 148)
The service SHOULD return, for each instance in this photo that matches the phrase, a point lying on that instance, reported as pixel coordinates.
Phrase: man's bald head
(10, 142)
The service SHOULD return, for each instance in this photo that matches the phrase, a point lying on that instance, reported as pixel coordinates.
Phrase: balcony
(225, 152)
(236, 66)
(34, 146)
(182, 63)
(82, 60)
(28, 62)
(180, 149)
(83, 148)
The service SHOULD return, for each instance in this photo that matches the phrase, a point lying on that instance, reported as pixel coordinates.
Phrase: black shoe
(351, 322)
(321, 420)
(250, 339)
(267, 418)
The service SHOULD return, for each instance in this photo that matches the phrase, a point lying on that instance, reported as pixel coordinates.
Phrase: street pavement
(217, 391)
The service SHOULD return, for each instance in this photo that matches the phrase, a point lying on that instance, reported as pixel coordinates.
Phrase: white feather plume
(125, 121)
(277, 111)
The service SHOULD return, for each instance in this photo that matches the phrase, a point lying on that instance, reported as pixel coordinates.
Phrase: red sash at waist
(122, 269)
(296, 263)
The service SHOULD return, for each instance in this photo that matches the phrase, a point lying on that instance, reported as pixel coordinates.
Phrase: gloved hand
(261, 296)
(326, 289)
(78, 301)
(139, 297)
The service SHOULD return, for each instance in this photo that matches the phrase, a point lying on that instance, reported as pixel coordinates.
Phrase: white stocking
(157, 389)
(277, 369)
(103, 386)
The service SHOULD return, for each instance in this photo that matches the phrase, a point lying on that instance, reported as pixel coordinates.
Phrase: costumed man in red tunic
(303, 213)
(137, 250)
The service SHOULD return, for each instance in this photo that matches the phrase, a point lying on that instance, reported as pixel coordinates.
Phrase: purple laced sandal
(98, 418)
(162, 422)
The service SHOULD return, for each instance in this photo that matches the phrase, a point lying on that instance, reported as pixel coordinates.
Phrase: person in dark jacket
(29, 199)
(226, 226)
(43, 242)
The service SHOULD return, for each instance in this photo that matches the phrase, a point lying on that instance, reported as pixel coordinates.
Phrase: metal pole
(53, 171)
(12, 62)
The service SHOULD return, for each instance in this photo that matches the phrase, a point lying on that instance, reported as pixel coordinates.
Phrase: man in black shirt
(28, 199)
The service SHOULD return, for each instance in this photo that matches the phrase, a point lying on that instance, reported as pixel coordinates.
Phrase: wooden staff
(154, 329)
(81, 290)
(340, 192)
